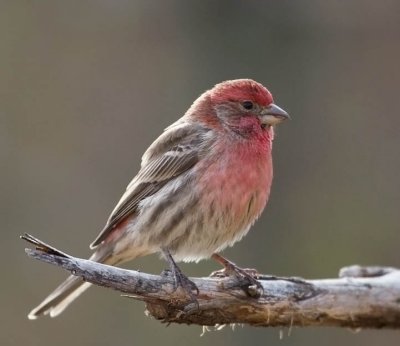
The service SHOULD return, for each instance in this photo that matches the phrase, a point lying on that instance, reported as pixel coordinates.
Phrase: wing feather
(173, 153)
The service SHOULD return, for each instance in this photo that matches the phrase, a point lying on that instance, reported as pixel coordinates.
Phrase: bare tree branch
(364, 297)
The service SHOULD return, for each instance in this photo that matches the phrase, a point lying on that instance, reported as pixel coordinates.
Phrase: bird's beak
(273, 115)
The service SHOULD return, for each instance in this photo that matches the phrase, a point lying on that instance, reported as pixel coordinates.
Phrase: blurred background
(86, 86)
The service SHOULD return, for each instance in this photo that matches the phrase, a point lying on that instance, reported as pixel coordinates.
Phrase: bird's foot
(185, 289)
(246, 277)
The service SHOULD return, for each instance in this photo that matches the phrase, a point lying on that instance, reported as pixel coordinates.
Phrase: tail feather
(60, 298)
(68, 291)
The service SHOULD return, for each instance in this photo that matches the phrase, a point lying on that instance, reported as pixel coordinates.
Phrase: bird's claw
(184, 283)
(247, 278)
(184, 288)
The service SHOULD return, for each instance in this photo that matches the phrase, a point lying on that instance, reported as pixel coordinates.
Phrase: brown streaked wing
(161, 165)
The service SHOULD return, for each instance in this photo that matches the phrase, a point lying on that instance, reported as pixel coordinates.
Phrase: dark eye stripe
(248, 105)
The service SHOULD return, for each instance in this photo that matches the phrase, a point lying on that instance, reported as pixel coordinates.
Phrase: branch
(364, 297)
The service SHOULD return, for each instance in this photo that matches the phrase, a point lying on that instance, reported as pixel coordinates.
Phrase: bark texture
(362, 297)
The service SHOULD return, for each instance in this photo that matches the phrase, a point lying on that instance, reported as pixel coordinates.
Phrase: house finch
(201, 185)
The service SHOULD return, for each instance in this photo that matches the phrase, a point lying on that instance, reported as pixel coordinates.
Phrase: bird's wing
(173, 153)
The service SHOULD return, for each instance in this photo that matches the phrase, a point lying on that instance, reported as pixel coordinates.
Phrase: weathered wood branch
(364, 297)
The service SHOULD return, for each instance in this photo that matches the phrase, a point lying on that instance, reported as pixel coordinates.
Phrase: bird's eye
(248, 105)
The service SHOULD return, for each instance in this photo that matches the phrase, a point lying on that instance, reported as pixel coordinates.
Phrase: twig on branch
(364, 297)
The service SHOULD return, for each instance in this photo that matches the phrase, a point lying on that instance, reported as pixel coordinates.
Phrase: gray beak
(273, 115)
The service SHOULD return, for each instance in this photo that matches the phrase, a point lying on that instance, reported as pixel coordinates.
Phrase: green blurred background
(86, 86)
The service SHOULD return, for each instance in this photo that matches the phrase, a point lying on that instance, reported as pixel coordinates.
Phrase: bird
(201, 185)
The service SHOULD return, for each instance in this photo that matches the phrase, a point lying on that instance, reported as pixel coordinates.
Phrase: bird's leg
(181, 280)
(246, 277)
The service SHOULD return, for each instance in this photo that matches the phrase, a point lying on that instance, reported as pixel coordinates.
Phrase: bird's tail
(69, 290)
